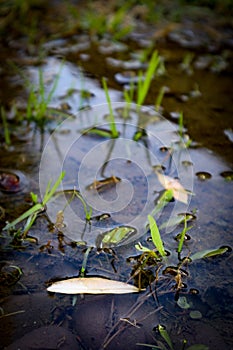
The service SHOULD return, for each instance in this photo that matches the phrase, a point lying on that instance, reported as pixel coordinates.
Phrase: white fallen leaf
(91, 285)
(169, 183)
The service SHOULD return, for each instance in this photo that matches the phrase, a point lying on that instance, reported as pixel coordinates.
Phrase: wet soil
(197, 55)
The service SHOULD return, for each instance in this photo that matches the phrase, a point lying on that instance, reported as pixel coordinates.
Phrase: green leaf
(112, 123)
(88, 211)
(139, 134)
(153, 347)
(183, 303)
(141, 248)
(198, 347)
(144, 249)
(117, 235)
(143, 86)
(50, 192)
(165, 336)
(176, 220)
(163, 201)
(195, 314)
(34, 197)
(155, 234)
(182, 236)
(5, 127)
(208, 253)
(99, 132)
(36, 208)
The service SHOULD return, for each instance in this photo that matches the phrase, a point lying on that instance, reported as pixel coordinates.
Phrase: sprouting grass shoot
(112, 122)
(155, 235)
(144, 84)
(88, 211)
(38, 102)
(32, 213)
(5, 127)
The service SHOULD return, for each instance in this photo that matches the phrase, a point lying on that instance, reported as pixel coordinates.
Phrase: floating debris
(101, 185)
(229, 134)
(169, 183)
(91, 285)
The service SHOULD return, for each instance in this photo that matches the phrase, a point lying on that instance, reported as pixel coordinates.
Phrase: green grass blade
(198, 347)
(51, 93)
(155, 234)
(49, 193)
(209, 253)
(164, 334)
(98, 132)
(159, 98)
(144, 85)
(88, 212)
(163, 201)
(30, 221)
(5, 127)
(181, 124)
(182, 236)
(112, 119)
(36, 208)
(41, 86)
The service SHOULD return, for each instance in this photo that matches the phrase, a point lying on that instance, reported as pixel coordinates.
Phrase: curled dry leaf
(169, 183)
(91, 285)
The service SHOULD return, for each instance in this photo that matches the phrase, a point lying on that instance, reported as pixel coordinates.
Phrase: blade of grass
(145, 84)
(155, 234)
(208, 253)
(36, 208)
(49, 193)
(182, 236)
(160, 98)
(164, 334)
(112, 123)
(181, 125)
(98, 132)
(88, 212)
(163, 200)
(5, 127)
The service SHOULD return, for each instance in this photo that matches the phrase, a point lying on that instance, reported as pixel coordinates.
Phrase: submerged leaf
(195, 314)
(165, 336)
(183, 303)
(117, 234)
(141, 248)
(208, 253)
(91, 285)
(155, 234)
(174, 221)
(198, 347)
(169, 183)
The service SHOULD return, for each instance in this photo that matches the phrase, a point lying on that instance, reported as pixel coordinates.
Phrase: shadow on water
(117, 177)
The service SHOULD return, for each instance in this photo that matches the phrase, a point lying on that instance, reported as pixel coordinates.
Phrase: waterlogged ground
(193, 301)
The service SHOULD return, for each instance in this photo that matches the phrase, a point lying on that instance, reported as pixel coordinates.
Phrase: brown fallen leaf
(92, 285)
(169, 183)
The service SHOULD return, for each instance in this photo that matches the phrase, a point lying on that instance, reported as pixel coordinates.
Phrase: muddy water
(31, 318)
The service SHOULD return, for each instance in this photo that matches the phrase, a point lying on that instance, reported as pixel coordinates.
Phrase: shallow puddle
(111, 185)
